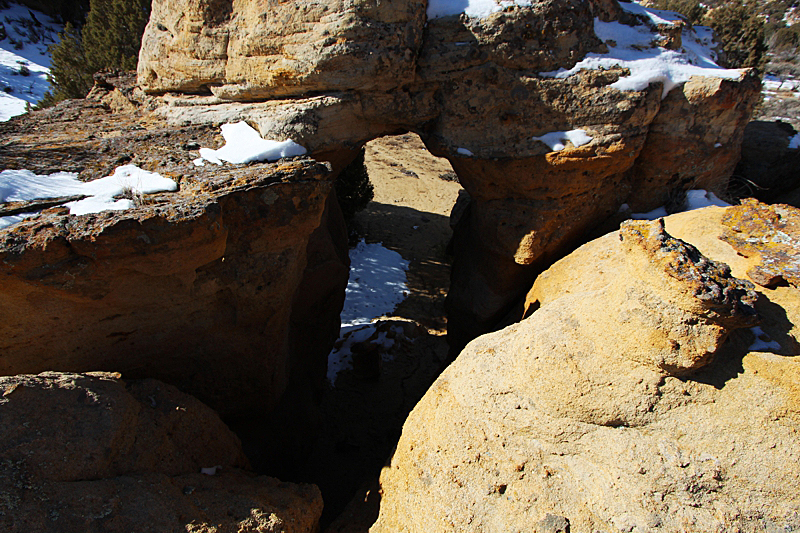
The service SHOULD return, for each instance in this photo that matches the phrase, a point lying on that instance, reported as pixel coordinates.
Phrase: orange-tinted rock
(769, 235)
(199, 288)
(634, 398)
(335, 76)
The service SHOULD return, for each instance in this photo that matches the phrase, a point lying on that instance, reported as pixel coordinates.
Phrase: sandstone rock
(89, 452)
(267, 49)
(770, 235)
(629, 400)
(111, 428)
(203, 288)
(334, 77)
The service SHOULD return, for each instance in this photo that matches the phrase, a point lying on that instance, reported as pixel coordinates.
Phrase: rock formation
(633, 398)
(477, 90)
(213, 289)
(89, 452)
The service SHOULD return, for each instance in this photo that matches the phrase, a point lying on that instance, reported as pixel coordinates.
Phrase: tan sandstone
(334, 76)
(629, 400)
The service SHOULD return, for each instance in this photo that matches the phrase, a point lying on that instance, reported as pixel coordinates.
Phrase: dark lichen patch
(709, 281)
(770, 233)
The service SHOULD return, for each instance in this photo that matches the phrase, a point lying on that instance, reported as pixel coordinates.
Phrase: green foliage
(113, 33)
(69, 74)
(109, 40)
(691, 9)
(740, 29)
(353, 189)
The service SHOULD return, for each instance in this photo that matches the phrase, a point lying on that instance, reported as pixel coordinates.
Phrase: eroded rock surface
(334, 76)
(770, 236)
(633, 398)
(90, 452)
(213, 288)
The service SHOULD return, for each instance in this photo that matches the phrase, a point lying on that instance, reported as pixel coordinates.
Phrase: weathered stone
(770, 236)
(89, 452)
(333, 77)
(694, 140)
(182, 286)
(264, 49)
(573, 413)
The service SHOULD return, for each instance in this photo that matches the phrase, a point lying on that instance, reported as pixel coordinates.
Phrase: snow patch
(376, 286)
(632, 47)
(377, 283)
(464, 151)
(24, 58)
(695, 199)
(794, 142)
(556, 139)
(763, 343)
(24, 185)
(243, 144)
(472, 8)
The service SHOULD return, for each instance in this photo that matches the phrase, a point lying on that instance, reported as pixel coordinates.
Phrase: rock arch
(334, 76)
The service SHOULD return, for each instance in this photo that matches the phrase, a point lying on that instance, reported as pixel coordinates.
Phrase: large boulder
(90, 452)
(481, 90)
(639, 395)
(215, 288)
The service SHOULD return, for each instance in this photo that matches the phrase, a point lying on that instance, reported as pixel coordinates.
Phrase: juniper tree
(109, 40)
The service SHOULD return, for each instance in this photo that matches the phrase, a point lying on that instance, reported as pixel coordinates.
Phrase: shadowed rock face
(333, 76)
(90, 452)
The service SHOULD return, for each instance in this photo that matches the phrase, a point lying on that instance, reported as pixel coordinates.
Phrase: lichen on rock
(770, 236)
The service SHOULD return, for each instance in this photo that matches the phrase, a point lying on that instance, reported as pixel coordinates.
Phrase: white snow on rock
(472, 8)
(556, 139)
(128, 178)
(376, 286)
(464, 151)
(695, 199)
(763, 343)
(794, 142)
(24, 58)
(377, 283)
(24, 185)
(773, 83)
(243, 144)
(632, 47)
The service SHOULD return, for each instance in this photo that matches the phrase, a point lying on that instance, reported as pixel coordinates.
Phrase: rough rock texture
(214, 288)
(89, 452)
(770, 236)
(334, 76)
(604, 410)
(768, 166)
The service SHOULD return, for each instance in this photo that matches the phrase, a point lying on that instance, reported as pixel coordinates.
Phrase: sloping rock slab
(630, 400)
(89, 452)
(205, 288)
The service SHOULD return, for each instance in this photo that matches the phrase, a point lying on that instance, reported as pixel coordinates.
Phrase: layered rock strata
(479, 91)
(90, 452)
(214, 288)
(633, 398)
